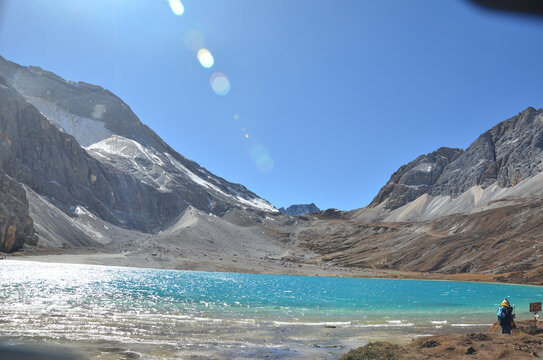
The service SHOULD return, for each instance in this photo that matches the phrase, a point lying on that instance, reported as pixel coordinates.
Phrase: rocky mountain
(78, 170)
(37, 154)
(414, 179)
(300, 209)
(507, 154)
(126, 175)
(451, 211)
(450, 181)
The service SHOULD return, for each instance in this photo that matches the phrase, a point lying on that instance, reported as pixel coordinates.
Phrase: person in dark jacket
(505, 317)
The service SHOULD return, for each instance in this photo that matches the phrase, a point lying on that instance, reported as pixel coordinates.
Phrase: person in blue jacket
(505, 316)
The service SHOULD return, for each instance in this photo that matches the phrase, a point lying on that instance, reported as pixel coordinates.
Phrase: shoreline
(526, 342)
(265, 266)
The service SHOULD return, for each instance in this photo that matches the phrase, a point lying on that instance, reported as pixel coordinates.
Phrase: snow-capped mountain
(163, 172)
(91, 151)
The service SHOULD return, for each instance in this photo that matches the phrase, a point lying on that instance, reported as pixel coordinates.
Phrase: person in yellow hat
(505, 316)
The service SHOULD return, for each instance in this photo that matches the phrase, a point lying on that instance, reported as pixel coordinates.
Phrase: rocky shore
(525, 343)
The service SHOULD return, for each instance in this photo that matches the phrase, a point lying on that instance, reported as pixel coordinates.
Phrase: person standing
(505, 316)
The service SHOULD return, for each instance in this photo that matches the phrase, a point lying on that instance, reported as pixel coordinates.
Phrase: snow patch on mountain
(257, 203)
(161, 170)
(87, 131)
(99, 110)
(424, 167)
(252, 202)
(127, 148)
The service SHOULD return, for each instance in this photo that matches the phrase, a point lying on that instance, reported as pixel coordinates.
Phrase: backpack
(503, 312)
(499, 314)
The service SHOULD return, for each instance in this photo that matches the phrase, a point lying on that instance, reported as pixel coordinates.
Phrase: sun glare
(205, 58)
(177, 7)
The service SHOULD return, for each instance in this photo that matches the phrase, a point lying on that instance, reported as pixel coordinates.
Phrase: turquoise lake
(163, 313)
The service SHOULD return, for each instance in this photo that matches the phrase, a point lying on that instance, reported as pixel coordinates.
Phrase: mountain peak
(506, 154)
(415, 178)
(301, 209)
(87, 149)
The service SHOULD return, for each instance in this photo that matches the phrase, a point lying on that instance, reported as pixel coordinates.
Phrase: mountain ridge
(92, 106)
(37, 119)
(506, 154)
(480, 215)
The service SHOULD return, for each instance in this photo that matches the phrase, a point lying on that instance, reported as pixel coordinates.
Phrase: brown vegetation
(503, 244)
(525, 343)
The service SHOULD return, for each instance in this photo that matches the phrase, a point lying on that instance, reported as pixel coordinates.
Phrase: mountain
(300, 209)
(414, 179)
(451, 181)
(78, 146)
(451, 211)
(80, 173)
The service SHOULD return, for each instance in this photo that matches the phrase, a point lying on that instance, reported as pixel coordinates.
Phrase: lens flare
(246, 136)
(194, 40)
(261, 157)
(266, 166)
(236, 117)
(220, 84)
(177, 7)
(205, 58)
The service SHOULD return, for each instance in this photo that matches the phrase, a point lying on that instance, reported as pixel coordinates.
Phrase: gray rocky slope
(35, 153)
(126, 175)
(501, 158)
(16, 225)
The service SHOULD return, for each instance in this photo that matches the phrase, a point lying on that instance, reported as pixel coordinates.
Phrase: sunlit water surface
(107, 311)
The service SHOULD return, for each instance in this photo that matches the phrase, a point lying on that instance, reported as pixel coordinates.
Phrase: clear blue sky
(334, 95)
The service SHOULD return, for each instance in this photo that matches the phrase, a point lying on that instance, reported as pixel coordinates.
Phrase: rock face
(104, 124)
(36, 153)
(301, 209)
(15, 223)
(505, 155)
(126, 175)
(416, 178)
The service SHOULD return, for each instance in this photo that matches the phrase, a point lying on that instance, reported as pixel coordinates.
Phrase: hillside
(124, 174)
(451, 211)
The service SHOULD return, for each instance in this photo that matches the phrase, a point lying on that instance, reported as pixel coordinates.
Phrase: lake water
(110, 311)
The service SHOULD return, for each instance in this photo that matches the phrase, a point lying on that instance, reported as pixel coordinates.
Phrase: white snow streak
(132, 150)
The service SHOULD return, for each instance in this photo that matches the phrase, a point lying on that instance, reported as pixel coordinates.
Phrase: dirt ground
(526, 342)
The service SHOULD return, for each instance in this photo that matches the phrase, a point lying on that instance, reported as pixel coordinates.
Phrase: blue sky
(334, 95)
